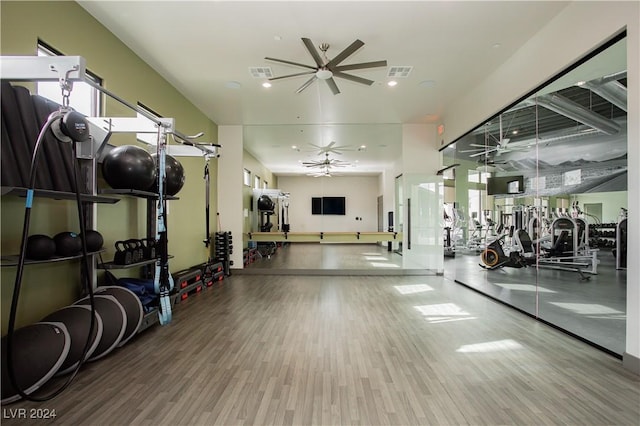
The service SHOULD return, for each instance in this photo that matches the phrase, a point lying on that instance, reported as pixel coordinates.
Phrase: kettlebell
(123, 255)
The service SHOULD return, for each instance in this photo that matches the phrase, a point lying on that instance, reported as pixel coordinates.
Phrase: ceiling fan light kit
(326, 69)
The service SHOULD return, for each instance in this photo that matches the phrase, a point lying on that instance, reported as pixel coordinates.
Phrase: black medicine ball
(129, 167)
(94, 240)
(67, 244)
(40, 247)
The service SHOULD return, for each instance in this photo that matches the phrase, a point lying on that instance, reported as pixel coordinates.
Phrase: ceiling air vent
(261, 72)
(399, 72)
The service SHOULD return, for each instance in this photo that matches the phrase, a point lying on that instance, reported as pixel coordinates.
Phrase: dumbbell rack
(223, 246)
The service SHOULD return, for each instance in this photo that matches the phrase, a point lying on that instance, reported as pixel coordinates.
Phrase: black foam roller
(9, 169)
(132, 306)
(13, 122)
(114, 323)
(51, 150)
(77, 319)
(31, 130)
(38, 352)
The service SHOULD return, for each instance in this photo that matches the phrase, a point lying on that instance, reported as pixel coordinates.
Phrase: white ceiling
(201, 46)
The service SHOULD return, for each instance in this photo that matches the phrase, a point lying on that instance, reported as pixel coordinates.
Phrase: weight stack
(223, 245)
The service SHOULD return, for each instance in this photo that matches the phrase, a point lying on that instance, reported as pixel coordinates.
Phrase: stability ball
(266, 204)
(175, 175)
(40, 247)
(129, 167)
(67, 243)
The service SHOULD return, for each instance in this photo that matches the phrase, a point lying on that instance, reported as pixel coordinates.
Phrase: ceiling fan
(327, 163)
(326, 69)
(502, 143)
(331, 148)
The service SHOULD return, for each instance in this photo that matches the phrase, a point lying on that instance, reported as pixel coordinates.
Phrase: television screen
(504, 185)
(316, 205)
(328, 205)
(333, 205)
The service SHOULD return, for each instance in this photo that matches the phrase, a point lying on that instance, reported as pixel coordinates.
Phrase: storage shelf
(134, 193)
(57, 195)
(12, 259)
(111, 265)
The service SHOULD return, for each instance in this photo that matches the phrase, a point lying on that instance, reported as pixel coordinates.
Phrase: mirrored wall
(535, 215)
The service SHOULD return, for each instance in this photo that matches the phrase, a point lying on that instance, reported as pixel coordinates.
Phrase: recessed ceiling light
(496, 45)
(391, 83)
(277, 37)
(580, 83)
(515, 132)
(294, 146)
(233, 85)
(266, 84)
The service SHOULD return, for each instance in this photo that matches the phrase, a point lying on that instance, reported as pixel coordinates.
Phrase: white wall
(611, 203)
(571, 35)
(361, 201)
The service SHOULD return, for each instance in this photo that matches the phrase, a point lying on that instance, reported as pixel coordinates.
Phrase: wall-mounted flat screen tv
(504, 185)
(328, 205)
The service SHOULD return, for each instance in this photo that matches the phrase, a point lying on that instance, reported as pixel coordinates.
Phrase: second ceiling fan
(326, 69)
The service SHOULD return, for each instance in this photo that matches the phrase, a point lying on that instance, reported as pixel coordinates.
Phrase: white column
(229, 184)
(631, 357)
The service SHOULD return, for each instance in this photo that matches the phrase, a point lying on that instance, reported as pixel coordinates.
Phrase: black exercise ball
(67, 243)
(94, 240)
(266, 204)
(175, 175)
(40, 247)
(129, 167)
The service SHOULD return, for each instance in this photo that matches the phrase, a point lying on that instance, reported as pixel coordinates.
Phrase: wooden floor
(348, 350)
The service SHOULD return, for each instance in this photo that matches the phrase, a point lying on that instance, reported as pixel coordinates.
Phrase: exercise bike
(494, 256)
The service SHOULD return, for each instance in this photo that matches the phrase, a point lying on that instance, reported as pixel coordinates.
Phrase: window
(149, 138)
(84, 98)
(256, 182)
(247, 177)
(265, 185)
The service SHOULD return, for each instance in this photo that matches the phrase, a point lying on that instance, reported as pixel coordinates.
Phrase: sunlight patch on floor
(443, 312)
(498, 345)
(587, 308)
(525, 287)
(412, 288)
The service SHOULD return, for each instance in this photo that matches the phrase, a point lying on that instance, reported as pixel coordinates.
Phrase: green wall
(68, 28)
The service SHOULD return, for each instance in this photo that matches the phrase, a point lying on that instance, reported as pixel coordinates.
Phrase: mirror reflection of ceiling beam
(610, 89)
(577, 112)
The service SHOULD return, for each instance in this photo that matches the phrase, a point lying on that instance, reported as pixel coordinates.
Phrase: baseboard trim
(631, 363)
(334, 272)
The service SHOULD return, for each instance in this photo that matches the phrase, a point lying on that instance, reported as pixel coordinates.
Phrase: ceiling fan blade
(482, 153)
(333, 86)
(361, 66)
(313, 51)
(466, 151)
(481, 146)
(353, 78)
(332, 143)
(291, 63)
(306, 84)
(291, 75)
(345, 53)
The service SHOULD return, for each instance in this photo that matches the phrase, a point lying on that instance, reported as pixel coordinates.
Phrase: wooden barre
(324, 236)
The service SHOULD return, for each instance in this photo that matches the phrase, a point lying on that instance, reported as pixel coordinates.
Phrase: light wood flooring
(348, 350)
